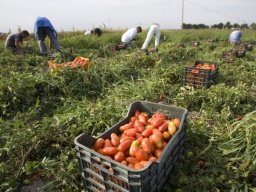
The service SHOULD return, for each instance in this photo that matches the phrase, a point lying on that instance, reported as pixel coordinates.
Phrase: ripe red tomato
(114, 139)
(132, 160)
(146, 145)
(119, 156)
(125, 145)
(110, 151)
(141, 155)
(99, 143)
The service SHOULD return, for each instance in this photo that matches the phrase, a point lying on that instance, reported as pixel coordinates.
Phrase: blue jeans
(42, 33)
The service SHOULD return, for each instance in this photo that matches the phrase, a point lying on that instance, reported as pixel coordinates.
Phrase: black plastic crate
(244, 46)
(197, 77)
(152, 177)
(240, 53)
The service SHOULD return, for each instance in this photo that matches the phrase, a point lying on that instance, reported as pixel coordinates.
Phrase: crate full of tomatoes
(77, 62)
(202, 74)
(136, 154)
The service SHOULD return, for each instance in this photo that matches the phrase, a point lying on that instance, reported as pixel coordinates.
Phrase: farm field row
(43, 111)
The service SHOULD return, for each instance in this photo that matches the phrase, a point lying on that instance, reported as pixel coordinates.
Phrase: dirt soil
(36, 186)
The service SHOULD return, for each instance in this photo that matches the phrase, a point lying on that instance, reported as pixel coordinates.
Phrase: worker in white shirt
(154, 29)
(89, 32)
(130, 34)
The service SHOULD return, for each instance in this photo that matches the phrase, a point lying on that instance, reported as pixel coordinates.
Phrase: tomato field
(43, 110)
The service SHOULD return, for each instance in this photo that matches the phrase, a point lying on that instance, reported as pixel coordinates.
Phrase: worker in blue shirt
(43, 28)
(235, 36)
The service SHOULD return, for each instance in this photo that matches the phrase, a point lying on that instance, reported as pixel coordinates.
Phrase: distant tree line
(228, 25)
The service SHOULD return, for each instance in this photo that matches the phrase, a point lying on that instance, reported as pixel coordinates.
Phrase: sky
(68, 15)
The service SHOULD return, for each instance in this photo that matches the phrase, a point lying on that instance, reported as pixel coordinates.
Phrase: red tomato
(146, 145)
(108, 143)
(133, 147)
(125, 145)
(124, 162)
(136, 113)
(119, 156)
(142, 119)
(99, 143)
(144, 163)
(157, 140)
(139, 126)
(138, 166)
(152, 158)
(141, 155)
(130, 165)
(133, 119)
(158, 114)
(126, 126)
(163, 127)
(130, 132)
(158, 152)
(156, 122)
(124, 137)
(132, 160)
(111, 151)
(159, 133)
(114, 139)
(147, 132)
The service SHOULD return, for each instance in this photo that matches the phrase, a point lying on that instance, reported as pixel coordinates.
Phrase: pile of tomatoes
(204, 66)
(140, 141)
(77, 62)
